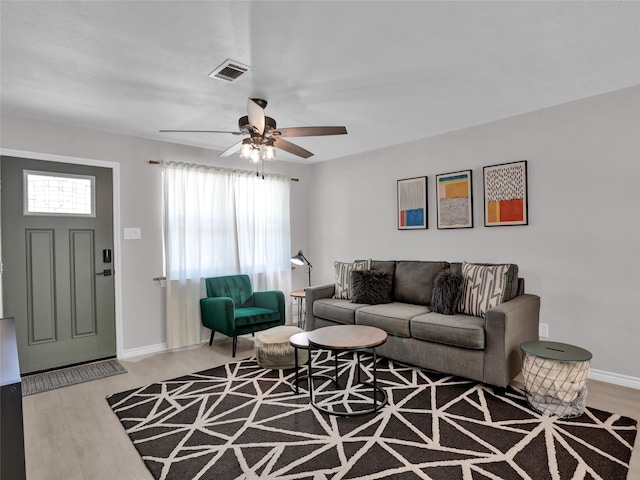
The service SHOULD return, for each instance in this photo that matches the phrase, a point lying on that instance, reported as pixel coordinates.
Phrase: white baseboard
(615, 378)
(157, 348)
(599, 375)
(141, 351)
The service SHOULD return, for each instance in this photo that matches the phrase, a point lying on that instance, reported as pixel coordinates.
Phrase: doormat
(241, 421)
(65, 377)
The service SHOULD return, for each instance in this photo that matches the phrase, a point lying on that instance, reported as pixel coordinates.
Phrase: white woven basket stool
(273, 349)
(555, 377)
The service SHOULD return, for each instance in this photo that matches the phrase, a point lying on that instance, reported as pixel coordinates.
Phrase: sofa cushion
(370, 286)
(338, 310)
(457, 330)
(483, 287)
(386, 266)
(393, 318)
(446, 293)
(343, 276)
(413, 282)
(252, 315)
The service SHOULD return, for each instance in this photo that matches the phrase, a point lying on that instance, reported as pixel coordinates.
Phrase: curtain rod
(156, 162)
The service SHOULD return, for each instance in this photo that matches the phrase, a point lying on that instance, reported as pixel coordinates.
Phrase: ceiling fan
(263, 137)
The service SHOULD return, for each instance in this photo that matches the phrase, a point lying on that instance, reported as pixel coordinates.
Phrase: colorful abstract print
(505, 193)
(412, 203)
(454, 204)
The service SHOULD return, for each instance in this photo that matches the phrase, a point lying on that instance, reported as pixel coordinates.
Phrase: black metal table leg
(375, 380)
(295, 353)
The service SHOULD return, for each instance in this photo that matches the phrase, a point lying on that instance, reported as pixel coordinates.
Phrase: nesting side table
(299, 296)
(555, 377)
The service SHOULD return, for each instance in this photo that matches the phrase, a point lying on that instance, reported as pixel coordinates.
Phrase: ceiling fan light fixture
(246, 149)
(269, 151)
(265, 137)
(255, 155)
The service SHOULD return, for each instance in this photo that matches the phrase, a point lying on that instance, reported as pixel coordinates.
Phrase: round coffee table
(301, 341)
(353, 338)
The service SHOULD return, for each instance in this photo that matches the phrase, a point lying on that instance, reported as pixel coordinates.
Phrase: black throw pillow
(370, 286)
(446, 293)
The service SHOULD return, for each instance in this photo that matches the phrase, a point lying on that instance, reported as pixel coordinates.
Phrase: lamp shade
(298, 259)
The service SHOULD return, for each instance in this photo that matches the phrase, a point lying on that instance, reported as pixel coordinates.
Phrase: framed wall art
(455, 200)
(412, 203)
(505, 194)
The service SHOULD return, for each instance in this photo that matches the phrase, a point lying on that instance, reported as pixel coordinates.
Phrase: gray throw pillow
(483, 287)
(370, 286)
(343, 276)
(446, 293)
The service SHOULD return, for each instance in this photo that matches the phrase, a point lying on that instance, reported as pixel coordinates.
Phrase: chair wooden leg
(235, 344)
(211, 339)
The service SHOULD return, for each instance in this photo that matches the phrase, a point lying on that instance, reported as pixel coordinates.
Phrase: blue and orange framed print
(412, 203)
(455, 200)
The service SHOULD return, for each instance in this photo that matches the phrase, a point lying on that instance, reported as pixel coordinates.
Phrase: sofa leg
(499, 391)
(211, 339)
(235, 344)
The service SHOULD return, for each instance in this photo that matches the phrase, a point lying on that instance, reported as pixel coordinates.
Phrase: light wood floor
(71, 433)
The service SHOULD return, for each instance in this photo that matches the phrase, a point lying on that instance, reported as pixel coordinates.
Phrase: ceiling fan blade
(256, 115)
(309, 131)
(231, 150)
(282, 144)
(201, 131)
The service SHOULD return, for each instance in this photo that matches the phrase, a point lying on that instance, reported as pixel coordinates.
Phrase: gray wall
(581, 250)
(143, 324)
(580, 253)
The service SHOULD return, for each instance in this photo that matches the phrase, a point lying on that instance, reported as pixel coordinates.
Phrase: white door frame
(115, 171)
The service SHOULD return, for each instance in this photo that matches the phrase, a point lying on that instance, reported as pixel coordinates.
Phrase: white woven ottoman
(273, 349)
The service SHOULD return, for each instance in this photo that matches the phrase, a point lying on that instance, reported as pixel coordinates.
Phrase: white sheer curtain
(220, 222)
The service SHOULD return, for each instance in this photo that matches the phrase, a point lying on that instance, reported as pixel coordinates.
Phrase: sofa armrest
(311, 295)
(506, 327)
(218, 314)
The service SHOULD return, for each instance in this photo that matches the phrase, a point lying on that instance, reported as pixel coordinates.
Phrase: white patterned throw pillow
(343, 276)
(483, 287)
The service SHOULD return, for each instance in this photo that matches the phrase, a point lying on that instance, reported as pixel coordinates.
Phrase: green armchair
(233, 308)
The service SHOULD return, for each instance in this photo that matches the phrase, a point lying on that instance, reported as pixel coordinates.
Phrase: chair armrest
(506, 327)
(272, 300)
(311, 295)
(218, 314)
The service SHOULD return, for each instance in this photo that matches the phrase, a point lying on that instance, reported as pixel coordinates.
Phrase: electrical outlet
(543, 330)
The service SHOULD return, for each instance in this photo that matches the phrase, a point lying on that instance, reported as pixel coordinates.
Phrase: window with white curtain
(220, 222)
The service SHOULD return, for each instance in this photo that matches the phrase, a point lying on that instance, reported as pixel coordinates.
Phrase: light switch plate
(132, 234)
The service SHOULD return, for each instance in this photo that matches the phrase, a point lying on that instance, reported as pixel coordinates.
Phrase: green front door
(58, 276)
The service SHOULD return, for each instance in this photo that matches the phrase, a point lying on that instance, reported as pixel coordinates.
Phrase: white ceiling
(390, 71)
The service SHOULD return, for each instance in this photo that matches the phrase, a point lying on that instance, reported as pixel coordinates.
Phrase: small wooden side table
(352, 338)
(555, 377)
(299, 296)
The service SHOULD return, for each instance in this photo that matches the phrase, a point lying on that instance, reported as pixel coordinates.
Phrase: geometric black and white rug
(240, 421)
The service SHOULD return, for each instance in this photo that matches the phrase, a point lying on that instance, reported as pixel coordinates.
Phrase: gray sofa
(483, 349)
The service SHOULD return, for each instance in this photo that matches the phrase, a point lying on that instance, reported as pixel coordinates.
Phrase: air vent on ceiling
(230, 71)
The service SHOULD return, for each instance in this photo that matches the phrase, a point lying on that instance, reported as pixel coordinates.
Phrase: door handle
(106, 272)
